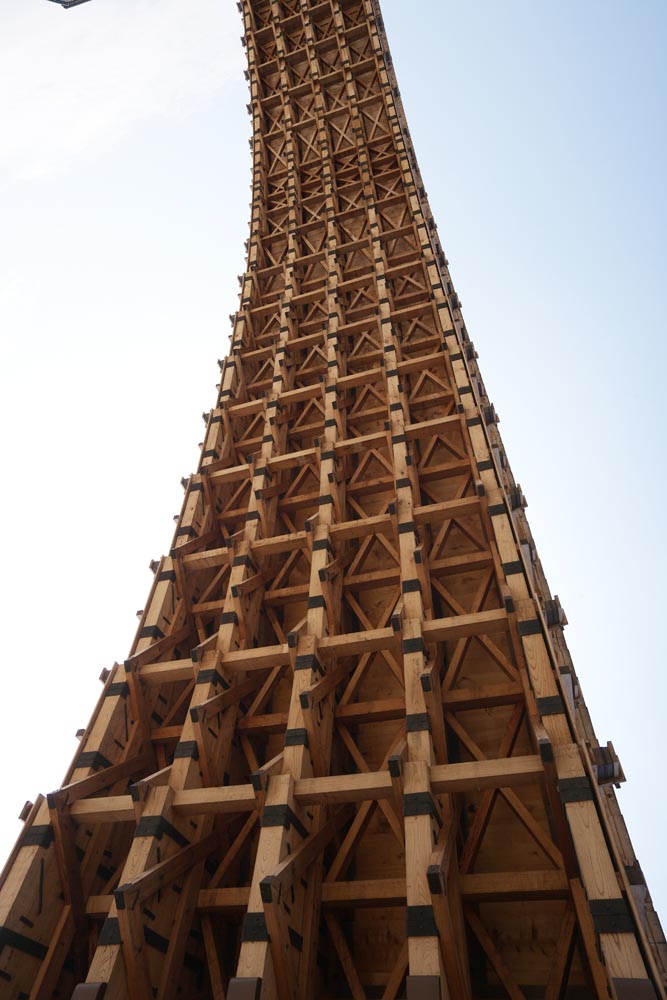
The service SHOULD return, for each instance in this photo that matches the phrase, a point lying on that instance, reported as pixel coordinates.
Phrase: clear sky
(124, 190)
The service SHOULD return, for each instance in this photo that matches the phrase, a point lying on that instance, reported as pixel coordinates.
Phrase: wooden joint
(260, 778)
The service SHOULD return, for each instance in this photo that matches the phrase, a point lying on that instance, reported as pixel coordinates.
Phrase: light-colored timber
(348, 755)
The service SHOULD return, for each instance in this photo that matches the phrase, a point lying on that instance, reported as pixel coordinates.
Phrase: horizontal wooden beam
(225, 799)
(168, 672)
(343, 788)
(515, 886)
(505, 772)
(478, 888)
(463, 626)
(110, 809)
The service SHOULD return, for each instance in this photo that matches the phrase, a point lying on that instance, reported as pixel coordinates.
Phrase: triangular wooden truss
(348, 755)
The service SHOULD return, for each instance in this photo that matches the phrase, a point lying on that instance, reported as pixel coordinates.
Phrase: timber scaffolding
(348, 755)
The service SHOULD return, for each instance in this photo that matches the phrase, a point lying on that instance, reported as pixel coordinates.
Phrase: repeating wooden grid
(351, 565)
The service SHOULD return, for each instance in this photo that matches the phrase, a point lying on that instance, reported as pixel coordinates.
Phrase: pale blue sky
(124, 190)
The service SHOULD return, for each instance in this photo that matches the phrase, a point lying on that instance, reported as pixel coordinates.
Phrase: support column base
(423, 988)
(244, 989)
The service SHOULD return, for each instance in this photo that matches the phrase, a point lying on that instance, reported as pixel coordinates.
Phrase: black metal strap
(575, 789)
(151, 632)
(611, 916)
(187, 530)
(212, 676)
(420, 804)
(187, 748)
(414, 645)
(308, 661)
(39, 835)
(254, 927)
(551, 705)
(531, 627)
(119, 689)
(11, 939)
(158, 827)
(92, 759)
(420, 922)
(283, 815)
(417, 722)
(110, 933)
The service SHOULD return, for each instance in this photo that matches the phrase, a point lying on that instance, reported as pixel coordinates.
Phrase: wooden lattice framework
(348, 755)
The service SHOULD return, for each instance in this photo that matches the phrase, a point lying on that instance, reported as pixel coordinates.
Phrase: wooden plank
(462, 626)
(588, 940)
(560, 968)
(212, 958)
(50, 968)
(167, 672)
(514, 886)
(134, 951)
(509, 772)
(345, 958)
(218, 801)
(152, 880)
(95, 783)
(495, 958)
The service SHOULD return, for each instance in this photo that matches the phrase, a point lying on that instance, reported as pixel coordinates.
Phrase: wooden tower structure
(348, 756)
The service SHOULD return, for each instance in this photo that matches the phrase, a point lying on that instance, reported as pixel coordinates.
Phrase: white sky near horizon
(124, 191)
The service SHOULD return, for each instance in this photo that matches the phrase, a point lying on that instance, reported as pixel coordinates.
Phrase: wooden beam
(495, 958)
(508, 772)
(152, 880)
(560, 968)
